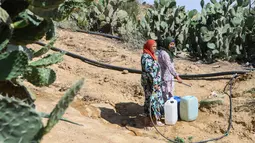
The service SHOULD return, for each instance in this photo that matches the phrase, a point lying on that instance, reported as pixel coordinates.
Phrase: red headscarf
(147, 48)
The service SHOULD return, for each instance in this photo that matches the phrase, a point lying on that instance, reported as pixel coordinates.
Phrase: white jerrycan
(171, 111)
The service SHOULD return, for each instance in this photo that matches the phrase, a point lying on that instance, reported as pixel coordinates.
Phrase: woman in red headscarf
(150, 80)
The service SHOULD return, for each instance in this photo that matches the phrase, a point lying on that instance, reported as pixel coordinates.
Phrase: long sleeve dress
(168, 74)
(151, 76)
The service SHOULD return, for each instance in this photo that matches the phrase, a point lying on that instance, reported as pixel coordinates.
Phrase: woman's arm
(170, 66)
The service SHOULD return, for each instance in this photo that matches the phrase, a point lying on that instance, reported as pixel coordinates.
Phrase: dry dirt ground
(110, 103)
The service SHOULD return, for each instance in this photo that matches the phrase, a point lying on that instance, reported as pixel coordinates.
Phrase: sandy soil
(110, 103)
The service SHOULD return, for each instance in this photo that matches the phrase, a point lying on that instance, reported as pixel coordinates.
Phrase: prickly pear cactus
(5, 26)
(48, 60)
(24, 22)
(46, 4)
(163, 20)
(34, 32)
(45, 48)
(106, 16)
(19, 122)
(40, 76)
(19, 91)
(60, 108)
(62, 105)
(14, 7)
(12, 65)
(58, 11)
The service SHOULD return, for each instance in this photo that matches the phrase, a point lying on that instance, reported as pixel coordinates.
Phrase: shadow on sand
(126, 114)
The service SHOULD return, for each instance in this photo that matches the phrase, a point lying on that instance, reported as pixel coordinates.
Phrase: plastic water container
(189, 108)
(170, 108)
(178, 99)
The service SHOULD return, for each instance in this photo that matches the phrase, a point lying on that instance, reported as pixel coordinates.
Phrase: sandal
(159, 123)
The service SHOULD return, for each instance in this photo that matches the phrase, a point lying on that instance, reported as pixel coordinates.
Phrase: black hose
(92, 62)
(229, 121)
(107, 66)
(101, 34)
(250, 69)
(215, 74)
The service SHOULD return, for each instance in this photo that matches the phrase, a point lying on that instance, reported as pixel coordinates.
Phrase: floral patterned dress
(151, 76)
(168, 74)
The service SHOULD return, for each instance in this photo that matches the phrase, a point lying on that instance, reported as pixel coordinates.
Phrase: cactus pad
(62, 105)
(40, 76)
(18, 91)
(12, 64)
(45, 48)
(19, 122)
(5, 26)
(33, 32)
(48, 60)
(57, 13)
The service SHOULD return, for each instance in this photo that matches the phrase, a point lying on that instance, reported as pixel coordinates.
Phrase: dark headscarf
(165, 47)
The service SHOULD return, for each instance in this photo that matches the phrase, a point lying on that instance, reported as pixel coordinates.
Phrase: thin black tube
(98, 33)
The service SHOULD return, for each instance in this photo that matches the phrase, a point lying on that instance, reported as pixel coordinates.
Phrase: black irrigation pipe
(95, 33)
(99, 33)
(250, 69)
(214, 74)
(108, 66)
(92, 62)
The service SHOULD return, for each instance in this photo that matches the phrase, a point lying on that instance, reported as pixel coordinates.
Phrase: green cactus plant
(45, 4)
(48, 60)
(14, 7)
(45, 48)
(35, 30)
(219, 31)
(106, 16)
(166, 19)
(58, 12)
(4, 44)
(12, 65)
(40, 76)
(21, 123)
(35, 20)
(6, 27)
(159, 21)
(16, 64)
(62, 105)
(225, 20)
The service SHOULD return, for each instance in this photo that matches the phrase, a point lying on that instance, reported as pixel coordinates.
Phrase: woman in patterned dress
(165, 58)
(150, 80)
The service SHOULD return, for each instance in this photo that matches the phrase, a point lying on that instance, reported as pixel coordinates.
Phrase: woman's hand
(179, 79)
